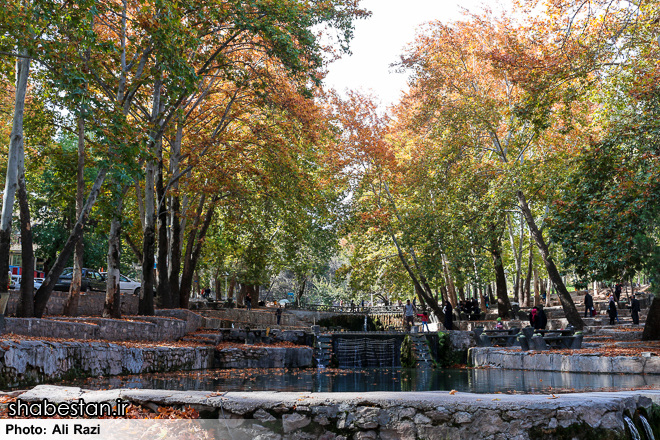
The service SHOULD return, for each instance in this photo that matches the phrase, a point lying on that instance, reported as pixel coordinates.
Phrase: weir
(373, 349)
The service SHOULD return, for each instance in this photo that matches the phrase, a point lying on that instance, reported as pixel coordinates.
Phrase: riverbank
(384, 415)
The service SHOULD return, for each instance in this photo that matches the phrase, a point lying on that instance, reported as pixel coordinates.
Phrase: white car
(16, 282)
(126, 285)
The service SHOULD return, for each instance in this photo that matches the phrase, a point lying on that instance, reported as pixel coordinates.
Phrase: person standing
(425, 321)
(408, 315)
(617, 291)
(588, 304)
(448, 316)
(634, 310)
(278, 314)
(611, 310)
(248, 301)
(543, 318)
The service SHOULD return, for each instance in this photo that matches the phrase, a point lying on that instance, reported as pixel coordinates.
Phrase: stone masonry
(31, 362)
(143, 328)
(491, 357)
(388, 415)
(91, 304)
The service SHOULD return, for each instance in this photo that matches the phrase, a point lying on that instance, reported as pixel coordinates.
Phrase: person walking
(588, 304)
(408, 315)
(278, 314)
(617, 291)
(448, 316)
(634, 309)
(425, 321)
(611, 310)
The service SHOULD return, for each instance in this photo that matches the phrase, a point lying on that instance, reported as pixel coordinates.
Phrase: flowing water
(631, 426)
(375, 379)
(647, 428)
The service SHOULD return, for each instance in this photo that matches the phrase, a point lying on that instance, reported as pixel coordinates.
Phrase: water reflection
(378, 379)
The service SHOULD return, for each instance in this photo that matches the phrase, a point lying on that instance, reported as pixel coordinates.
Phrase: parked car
(126, 285)
(91, 280)
(16, 282)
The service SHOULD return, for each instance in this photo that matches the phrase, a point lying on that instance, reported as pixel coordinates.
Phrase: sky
(380, 40)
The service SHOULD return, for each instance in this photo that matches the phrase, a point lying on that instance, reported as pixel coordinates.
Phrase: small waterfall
(647, 428)
(631, 426)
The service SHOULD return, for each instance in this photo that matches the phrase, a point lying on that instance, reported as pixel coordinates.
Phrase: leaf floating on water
(554, 397)
(497, 399)
(452, 392)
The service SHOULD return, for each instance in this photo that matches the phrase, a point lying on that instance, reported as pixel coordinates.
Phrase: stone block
(291, 422)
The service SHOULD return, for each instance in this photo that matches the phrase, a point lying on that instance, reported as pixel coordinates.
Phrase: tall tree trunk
(453, 300)
(199, 243)
(25, 307)
(570, 311)
(112, 305)
(537, 290)
(503, 304)
(146, 302)
(230, 291)
(516, 256)
(13, 163)
(43, 293)
(71, 307)
(175, 230)
(652, 326)
(301, 290)
(461, 293)
(528, 280)
(188, 269)
(163, 293)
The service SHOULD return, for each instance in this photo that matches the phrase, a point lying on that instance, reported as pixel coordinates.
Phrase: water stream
(375, 379)
(631, 426)
(647, 428)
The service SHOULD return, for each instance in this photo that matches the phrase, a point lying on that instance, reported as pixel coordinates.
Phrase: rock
(402, 431)
(407, 413)
(368, 435)
(262, 415)
(439, 415)
(421, 419)
(323, 421)
(462, 418)
(367, 417)
(291, 422)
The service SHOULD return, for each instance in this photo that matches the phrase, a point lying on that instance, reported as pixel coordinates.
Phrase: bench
(542, 343)
(502, 338)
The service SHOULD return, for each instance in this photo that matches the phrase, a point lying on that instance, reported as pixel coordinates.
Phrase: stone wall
(239, 336)
(144, 328)
(264, 357)
(91, 304)
(264, 317)
(32, 362)
(576, 363)
(194, 320)
(389, 415)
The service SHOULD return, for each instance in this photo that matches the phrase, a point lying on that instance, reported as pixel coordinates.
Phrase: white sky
(380, 40)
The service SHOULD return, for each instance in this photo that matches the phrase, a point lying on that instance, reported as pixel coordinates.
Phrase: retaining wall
(239, 336)
(223, 318)
(91, 304)
(575, 363)
(32, 362)
(143, 328)
(264, 357)
(390, 415)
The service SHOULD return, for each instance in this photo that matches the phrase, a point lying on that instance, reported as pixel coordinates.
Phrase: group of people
(612, 312)
(469, 307)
